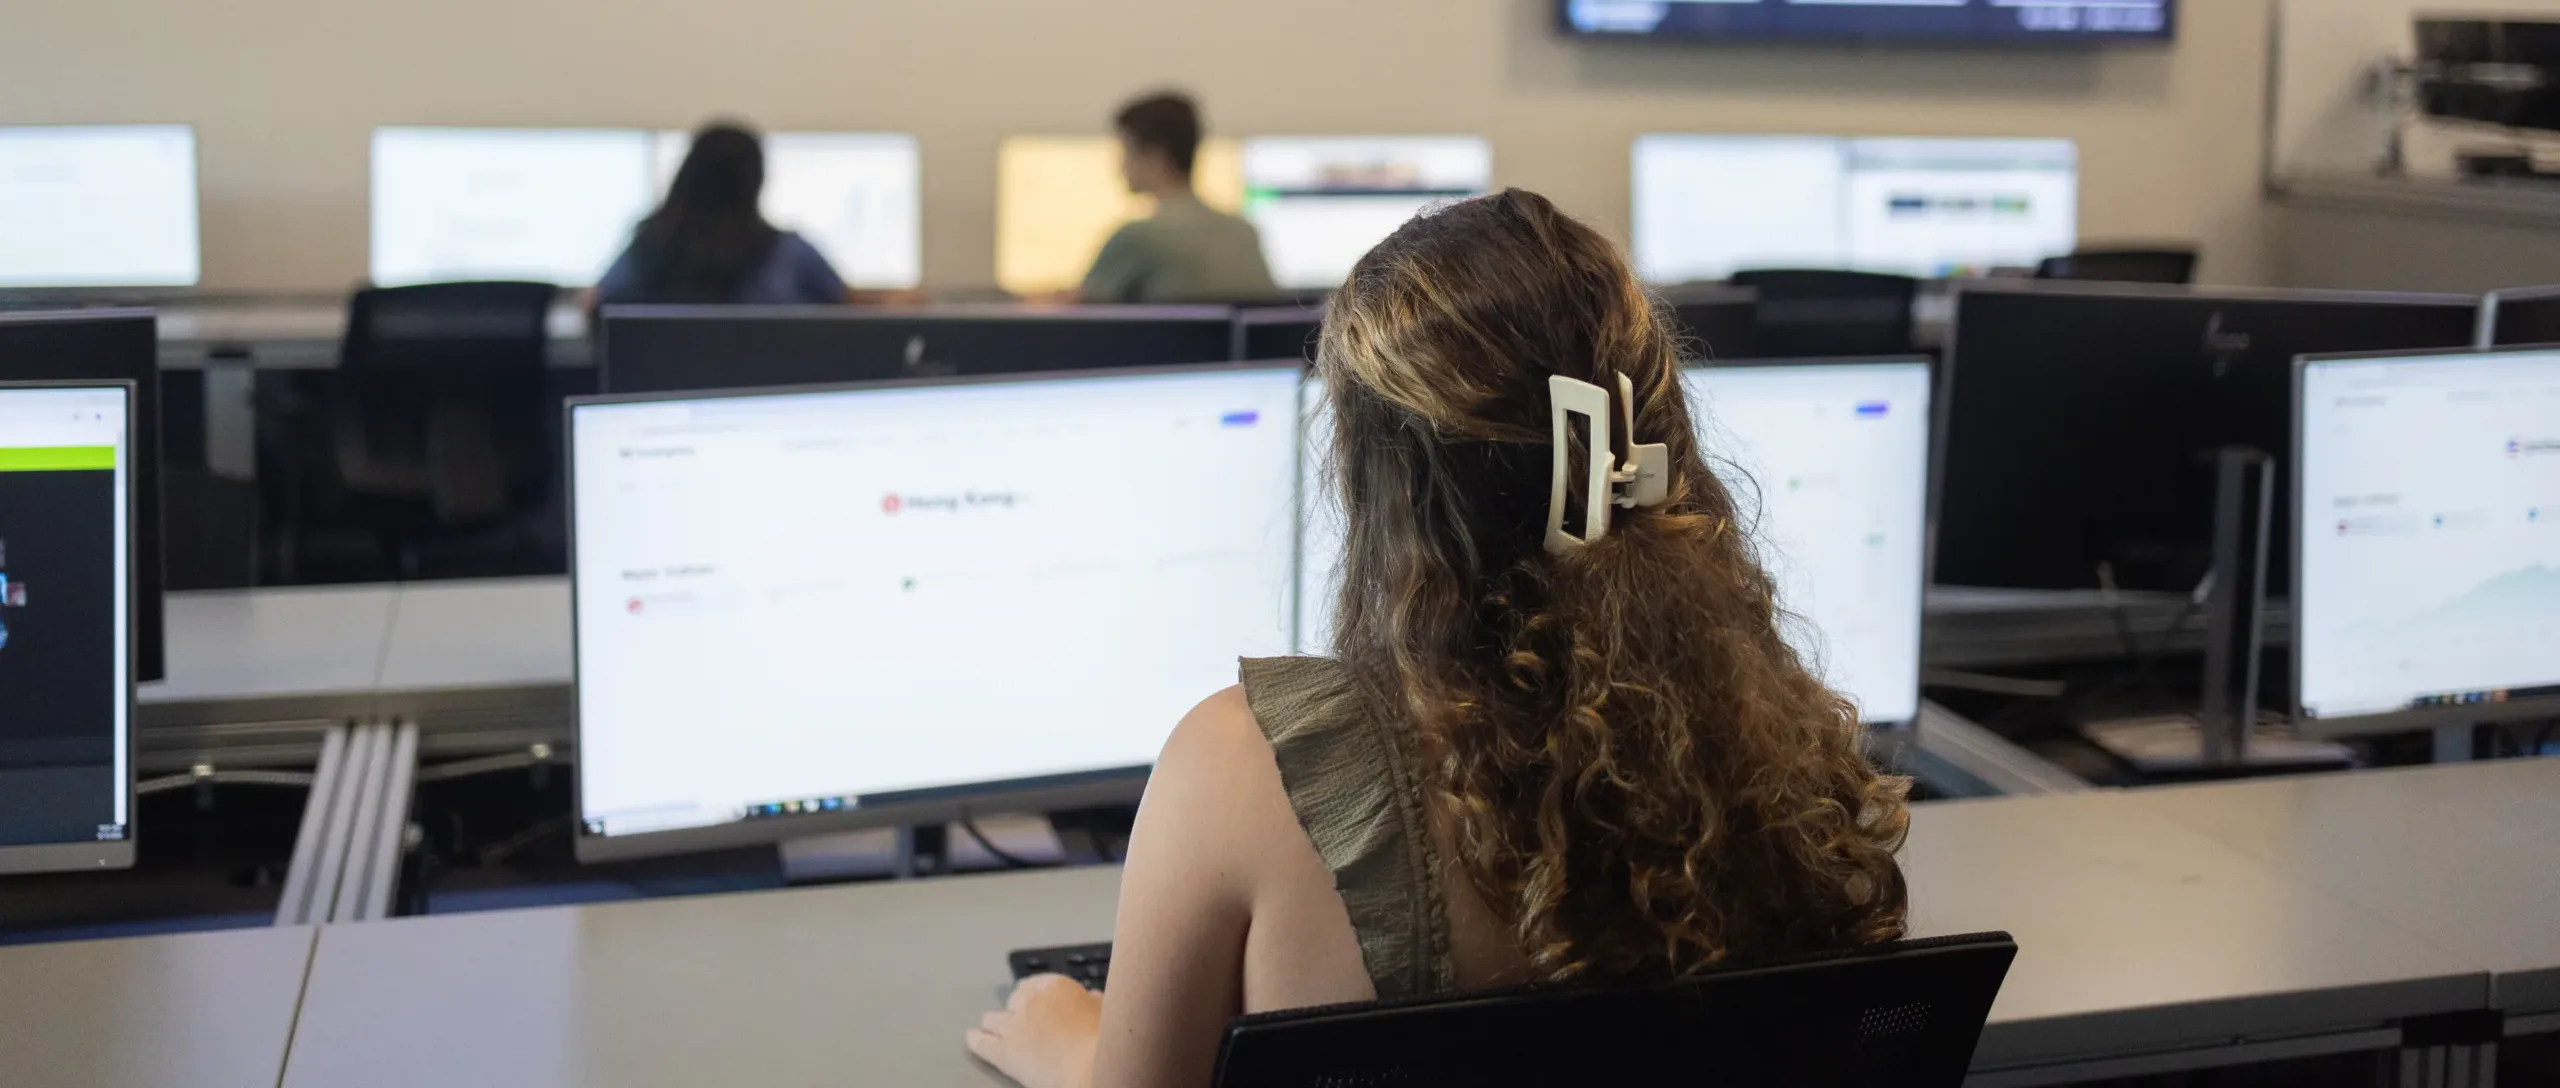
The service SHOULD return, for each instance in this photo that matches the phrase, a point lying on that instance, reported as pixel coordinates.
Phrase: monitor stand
(2224, 738)
(904, 853)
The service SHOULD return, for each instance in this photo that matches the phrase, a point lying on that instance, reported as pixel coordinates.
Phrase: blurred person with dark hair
(709, 243)
(1187, 251)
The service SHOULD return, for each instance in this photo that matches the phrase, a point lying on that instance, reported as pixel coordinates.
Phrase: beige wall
(284, 93)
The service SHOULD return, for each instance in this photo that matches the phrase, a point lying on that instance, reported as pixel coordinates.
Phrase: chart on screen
(2430, 532)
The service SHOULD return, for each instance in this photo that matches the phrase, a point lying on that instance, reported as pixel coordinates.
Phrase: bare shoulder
(1215, 751)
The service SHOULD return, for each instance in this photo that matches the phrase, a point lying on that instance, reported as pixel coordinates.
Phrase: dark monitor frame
(2406, 718)
(142, 371)
(120, 853)
(1085, 789)
(958, 315)
(1943, 432)
(2492, 309)
(1928, 498)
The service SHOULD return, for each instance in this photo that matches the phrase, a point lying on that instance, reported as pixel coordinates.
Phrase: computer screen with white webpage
(1828, 461)
(1707, 206)
(549, 205)
(1829, 466)
(1320, 522)
(98, 206)
(824, 601)
(1954, 207)
(1322, 203)
(856, 196)
(2429, 527)
(66, 649)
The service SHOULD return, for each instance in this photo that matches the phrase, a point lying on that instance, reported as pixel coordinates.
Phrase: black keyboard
(1089, 964)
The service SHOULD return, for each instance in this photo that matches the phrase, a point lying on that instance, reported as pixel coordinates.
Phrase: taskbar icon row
(800, 807)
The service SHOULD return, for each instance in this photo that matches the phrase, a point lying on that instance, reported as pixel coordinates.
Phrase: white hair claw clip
(1643, 479)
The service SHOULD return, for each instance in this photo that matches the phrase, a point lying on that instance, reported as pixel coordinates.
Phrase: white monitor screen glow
(856, 196)
(1322, 203)
(2429, 528)
(90, 206)
(1829, 463)
(1706, 207)
(547, 205)
(66, 646)
(822, 601)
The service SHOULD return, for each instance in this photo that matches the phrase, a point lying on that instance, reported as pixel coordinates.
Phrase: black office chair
(1820, 313)
(1900, 1016)
(439, 433)
(2122, 266)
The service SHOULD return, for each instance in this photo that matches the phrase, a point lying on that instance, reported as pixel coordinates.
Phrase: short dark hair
(1167, 121)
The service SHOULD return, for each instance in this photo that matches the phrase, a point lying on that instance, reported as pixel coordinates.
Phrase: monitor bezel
(2405, 719)
(1928, 500)
(1106, 786)
(2490, 304)
(118, 854)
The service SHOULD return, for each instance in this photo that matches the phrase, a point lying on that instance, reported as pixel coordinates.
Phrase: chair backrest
(1818, 313)
(448, 359)
(2122, 266)
(1905, 1015)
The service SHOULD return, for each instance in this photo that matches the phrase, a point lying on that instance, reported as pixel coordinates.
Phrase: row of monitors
(892, 602)
(115, 206)
(2424, 546)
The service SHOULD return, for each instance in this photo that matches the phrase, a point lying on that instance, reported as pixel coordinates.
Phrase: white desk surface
(868, 984)
(197, 1010)
(2468, 855)
(509, 633)
(264, 645)
(2135, 934)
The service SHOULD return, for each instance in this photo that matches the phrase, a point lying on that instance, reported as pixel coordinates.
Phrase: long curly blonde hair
(1643, 778)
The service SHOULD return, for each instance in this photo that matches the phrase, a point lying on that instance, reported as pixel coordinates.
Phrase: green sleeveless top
(1355, 785)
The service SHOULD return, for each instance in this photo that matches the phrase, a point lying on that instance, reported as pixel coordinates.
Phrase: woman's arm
(1177, 961)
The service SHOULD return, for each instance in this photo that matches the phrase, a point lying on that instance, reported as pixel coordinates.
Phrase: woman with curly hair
(1529, 759)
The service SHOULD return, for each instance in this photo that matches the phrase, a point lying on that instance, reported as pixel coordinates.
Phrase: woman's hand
(1044, 1036)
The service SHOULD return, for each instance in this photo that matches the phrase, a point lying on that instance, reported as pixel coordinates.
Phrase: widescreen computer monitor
(1707, 206)
(546, 205)
(856, 196)
(665, 349)
(822, 609)
(98, 206)
(2521, 318)
(103, 346)
(2429, 529)
(1322, 202)
(66, 627)
(2082, 420)
(1827, 462)
(1058, 198)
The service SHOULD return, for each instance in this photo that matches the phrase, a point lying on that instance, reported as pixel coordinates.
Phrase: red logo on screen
(634, 606)
(890, 504)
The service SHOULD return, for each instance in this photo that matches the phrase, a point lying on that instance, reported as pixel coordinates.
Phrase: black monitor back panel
(677, 349)
(110, 345)
(2079, 425)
